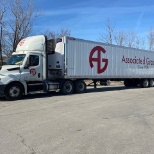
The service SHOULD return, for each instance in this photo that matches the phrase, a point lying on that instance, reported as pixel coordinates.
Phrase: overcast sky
(86, 18)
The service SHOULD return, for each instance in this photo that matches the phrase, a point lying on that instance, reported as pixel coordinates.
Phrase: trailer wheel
(151, 83)
(144, 83)
(67, 87)
(80, 86)
(14, 91)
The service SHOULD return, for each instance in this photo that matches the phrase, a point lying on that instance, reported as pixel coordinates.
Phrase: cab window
(33, 60)
(16, 59)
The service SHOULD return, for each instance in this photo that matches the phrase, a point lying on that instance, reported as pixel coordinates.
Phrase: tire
(14, 91)
(144, 83)
(151, 83)
(67, 87)
(80, 86)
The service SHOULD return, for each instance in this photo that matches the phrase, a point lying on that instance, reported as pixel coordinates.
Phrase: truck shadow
(104, 89)
(89, 90)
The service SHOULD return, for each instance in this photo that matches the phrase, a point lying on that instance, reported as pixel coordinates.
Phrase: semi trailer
(63, 64)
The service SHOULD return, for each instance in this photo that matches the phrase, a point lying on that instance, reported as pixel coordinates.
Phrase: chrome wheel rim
(14, 91)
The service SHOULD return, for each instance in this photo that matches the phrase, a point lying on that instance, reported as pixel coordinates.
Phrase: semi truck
(63, 64)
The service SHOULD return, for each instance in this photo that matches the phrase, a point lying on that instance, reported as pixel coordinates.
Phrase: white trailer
(64, 64)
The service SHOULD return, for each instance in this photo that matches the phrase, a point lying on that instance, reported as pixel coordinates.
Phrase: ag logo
(22, 42)
(98, 59)
(32, 71)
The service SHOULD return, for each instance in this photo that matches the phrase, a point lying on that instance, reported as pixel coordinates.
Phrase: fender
(8, 78)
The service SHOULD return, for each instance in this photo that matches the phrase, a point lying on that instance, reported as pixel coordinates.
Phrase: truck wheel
(67, 87)
(13, 91)
(151, 83)
(80, 86)
(144, 83)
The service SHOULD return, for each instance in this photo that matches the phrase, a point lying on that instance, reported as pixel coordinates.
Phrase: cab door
(34, 69)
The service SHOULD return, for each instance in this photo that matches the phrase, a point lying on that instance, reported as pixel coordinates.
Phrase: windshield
(16, 59)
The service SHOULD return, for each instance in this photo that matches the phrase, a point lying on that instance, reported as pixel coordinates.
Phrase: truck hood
(9, 69)
(9, 73)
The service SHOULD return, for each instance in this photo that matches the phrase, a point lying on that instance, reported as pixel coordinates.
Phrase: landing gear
(105, 82)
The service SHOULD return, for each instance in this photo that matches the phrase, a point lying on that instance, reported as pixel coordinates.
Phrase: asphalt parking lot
(107, 120)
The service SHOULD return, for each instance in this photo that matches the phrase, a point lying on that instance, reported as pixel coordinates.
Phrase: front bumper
(2, 88)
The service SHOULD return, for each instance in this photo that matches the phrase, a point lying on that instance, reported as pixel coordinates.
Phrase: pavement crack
(24, 143)
(31, 149)
(137, 116)
(148, 115)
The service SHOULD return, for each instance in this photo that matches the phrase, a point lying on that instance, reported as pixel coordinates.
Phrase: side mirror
(26, 66)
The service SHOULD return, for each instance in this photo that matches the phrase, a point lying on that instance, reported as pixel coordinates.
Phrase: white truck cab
(26, 69)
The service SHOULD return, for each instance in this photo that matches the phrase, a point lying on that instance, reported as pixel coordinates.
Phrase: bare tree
(61, 33)
(130, 39)
(133, 40)
(2, 13)
(151, 39)
(108, 37)
(20, 22)
(111, 35)
(119, 38)
(139, 43)
(110, 31)
(122, 38)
